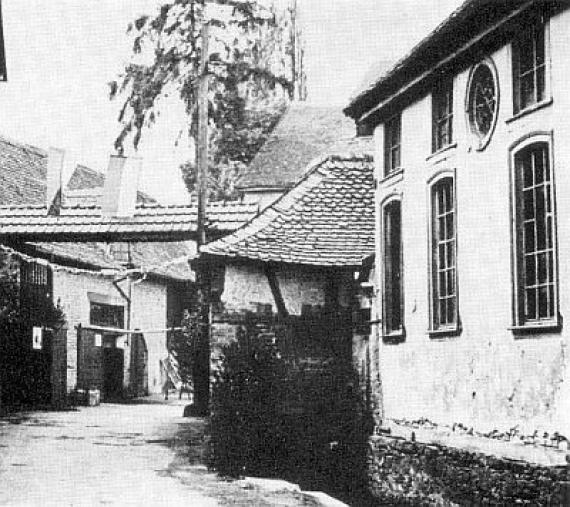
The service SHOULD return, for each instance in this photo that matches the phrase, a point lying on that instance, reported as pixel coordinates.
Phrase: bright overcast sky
(62, 53)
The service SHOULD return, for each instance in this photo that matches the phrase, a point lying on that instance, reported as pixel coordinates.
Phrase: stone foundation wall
(414, 473)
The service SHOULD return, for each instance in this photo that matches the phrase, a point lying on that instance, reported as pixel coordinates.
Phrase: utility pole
(202, 149)
(202, 360)
(293, 38)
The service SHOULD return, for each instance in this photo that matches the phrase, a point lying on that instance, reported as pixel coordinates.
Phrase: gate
(139, 366)
(113, 364)
(100, 363)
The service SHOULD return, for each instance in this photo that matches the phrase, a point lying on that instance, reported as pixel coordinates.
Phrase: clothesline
(128, 331)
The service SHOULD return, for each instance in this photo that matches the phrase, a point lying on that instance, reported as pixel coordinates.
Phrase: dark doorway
(113, 364)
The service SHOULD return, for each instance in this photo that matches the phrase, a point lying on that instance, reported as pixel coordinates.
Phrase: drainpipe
(127, 296)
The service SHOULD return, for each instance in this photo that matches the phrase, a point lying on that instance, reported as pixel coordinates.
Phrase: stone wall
(413, 473)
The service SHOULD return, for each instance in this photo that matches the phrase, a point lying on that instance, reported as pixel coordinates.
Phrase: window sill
(534, 328)
(395, 336)
(394, 175)
(447, 332)
(530, 109)
(446, 148)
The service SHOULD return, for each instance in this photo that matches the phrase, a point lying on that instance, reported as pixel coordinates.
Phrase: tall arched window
(536, 274)
(393, 293)
(444, 312)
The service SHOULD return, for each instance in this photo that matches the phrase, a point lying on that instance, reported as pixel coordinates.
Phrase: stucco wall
(246, 286)
(148, 312)
(486, 376)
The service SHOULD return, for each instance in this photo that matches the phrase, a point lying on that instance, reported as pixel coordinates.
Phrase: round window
(482, 102)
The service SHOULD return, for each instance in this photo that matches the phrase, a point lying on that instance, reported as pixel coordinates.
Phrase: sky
(61, 54)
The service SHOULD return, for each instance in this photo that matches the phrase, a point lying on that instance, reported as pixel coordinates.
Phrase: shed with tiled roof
(327, 219)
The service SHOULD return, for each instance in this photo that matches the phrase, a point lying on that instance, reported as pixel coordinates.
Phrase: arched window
(444, 311)
(536, 274)
(393, 290)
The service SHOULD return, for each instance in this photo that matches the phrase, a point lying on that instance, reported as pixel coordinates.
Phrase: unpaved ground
(134, 454)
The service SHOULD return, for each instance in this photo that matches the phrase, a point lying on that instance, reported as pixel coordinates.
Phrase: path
(133, 454)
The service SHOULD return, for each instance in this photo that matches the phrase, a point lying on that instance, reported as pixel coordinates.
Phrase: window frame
(387, 332)
(442, 92)
(481, 139)
(538, 21)
(436, 328)
(520, 322)
(391, 147)
(115, 312)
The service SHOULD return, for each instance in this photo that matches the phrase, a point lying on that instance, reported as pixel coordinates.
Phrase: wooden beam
(276, 290)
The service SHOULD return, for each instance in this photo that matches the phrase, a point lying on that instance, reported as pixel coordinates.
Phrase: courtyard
(140, 453)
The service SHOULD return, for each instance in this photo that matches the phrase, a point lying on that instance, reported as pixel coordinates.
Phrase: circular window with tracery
(482, 102)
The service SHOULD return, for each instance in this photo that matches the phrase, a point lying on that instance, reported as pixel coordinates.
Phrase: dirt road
(134, 454)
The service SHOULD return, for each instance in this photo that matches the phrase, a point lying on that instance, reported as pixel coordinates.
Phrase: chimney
(54, 180)
(121, 184)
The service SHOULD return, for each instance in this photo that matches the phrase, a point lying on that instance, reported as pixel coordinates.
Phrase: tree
(249, 65)
(19, 375)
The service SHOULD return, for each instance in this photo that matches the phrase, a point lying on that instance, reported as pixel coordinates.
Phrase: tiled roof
(22, 173)
(301, 135)
(23, 216)
(169, 260)
(149, 223)
(85, 177)
(327, 219)
(86, 186)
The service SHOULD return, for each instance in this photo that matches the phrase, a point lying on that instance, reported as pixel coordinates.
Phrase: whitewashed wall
(485, 377)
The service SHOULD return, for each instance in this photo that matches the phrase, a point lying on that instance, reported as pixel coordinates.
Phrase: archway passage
(139, 366)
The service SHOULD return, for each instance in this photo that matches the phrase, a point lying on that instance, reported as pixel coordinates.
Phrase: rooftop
(326, 220)
(149, 223)
(86, 185)
(303, 133)
(169, 260)
(23, 216)
(476, 27)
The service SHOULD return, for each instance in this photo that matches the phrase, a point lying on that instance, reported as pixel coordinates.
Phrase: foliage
(183, 346)
(249, 63)
(233, 146)
(272, 416)
(13, 311)
(245, 422)
(20, 378)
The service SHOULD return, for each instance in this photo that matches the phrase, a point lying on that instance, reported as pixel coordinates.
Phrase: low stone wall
(404, 472)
